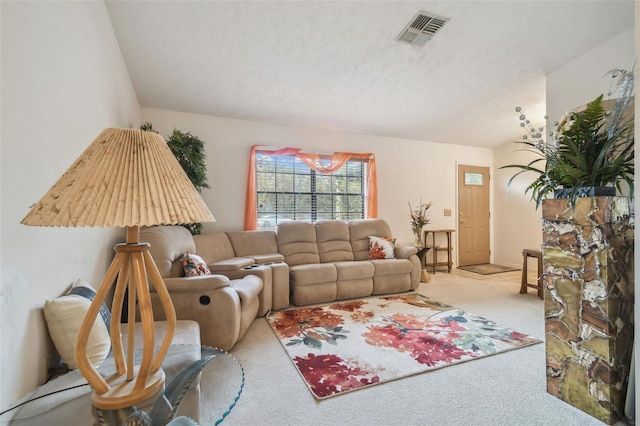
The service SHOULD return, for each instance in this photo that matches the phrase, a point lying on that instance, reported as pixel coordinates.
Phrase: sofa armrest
(196, 284)
(264, 272)
(209, 300)
(267, 258)
(231, 264)
(403, 252)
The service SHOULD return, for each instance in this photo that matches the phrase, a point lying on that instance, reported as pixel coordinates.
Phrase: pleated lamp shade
(126, 177)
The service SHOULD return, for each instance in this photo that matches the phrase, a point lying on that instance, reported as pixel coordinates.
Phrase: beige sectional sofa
(254, 272)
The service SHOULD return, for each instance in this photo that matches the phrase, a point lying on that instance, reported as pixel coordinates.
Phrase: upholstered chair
(224, 308)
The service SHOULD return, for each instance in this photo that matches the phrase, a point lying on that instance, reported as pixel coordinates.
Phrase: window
(287, 188)
(309, 186)
(473, 178)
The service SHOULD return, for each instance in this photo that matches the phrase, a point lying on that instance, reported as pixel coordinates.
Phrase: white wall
(408, 170)
(63, 81)
(583, 79)
(517, 222)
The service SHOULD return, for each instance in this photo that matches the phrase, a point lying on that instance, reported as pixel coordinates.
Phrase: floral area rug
(349, 345)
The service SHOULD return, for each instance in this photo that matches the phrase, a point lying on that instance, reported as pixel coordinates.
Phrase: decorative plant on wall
(589, 148)
(189, 150)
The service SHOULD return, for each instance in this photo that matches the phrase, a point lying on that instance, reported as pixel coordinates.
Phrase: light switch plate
(447, 212)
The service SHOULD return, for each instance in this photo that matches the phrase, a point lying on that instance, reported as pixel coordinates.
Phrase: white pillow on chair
(64, 317)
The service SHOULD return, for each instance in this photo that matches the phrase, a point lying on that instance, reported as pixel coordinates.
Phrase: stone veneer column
(588, 297)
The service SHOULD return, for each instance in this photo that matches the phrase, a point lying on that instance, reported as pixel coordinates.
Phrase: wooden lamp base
(132, 265)
(122, 392)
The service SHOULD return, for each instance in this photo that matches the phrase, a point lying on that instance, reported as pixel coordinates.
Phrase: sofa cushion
(249, 243)
(64, 317)
(354, 270)
(213, 247)
(334, 244)
(261, 246)
(193, 265)
(168, 244)
(392, 266)
(177, 269)
(297, 242)
(310, 274)
(381, 247)
(360, 230)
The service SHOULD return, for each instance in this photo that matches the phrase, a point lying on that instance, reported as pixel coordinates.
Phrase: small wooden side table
(524, 284)
(438, 248)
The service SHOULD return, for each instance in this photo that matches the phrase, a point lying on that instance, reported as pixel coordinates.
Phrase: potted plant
(590, 148)
(189, 150)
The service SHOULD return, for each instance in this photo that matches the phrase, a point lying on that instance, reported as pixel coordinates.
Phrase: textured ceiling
(336, 64)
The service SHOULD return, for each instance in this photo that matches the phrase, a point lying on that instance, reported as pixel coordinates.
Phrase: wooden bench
(526, 254)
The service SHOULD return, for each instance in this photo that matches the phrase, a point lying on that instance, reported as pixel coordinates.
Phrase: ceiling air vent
(421, 29)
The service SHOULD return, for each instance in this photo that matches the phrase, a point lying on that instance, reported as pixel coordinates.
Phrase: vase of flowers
(418, 218)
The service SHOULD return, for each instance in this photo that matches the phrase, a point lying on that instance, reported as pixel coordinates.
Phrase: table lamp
(125, 178)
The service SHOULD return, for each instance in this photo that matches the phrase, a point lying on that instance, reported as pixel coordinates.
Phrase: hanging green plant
(189, 151)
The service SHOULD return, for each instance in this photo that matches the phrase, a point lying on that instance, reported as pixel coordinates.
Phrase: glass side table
(71, 401)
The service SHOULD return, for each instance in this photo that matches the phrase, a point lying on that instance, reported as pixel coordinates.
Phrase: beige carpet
(509, 389)
(487, 269)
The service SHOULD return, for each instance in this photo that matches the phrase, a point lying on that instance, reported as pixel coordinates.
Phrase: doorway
(473, 215)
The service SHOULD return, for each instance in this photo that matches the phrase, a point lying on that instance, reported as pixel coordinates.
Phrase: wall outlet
(447, 212)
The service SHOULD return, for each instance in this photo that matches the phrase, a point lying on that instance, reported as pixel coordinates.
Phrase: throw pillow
(194, 265)
(381, 247)
(64, 317)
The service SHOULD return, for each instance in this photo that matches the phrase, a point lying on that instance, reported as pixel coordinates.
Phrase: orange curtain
(314, 161)
(372, 189)
(250, 199)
